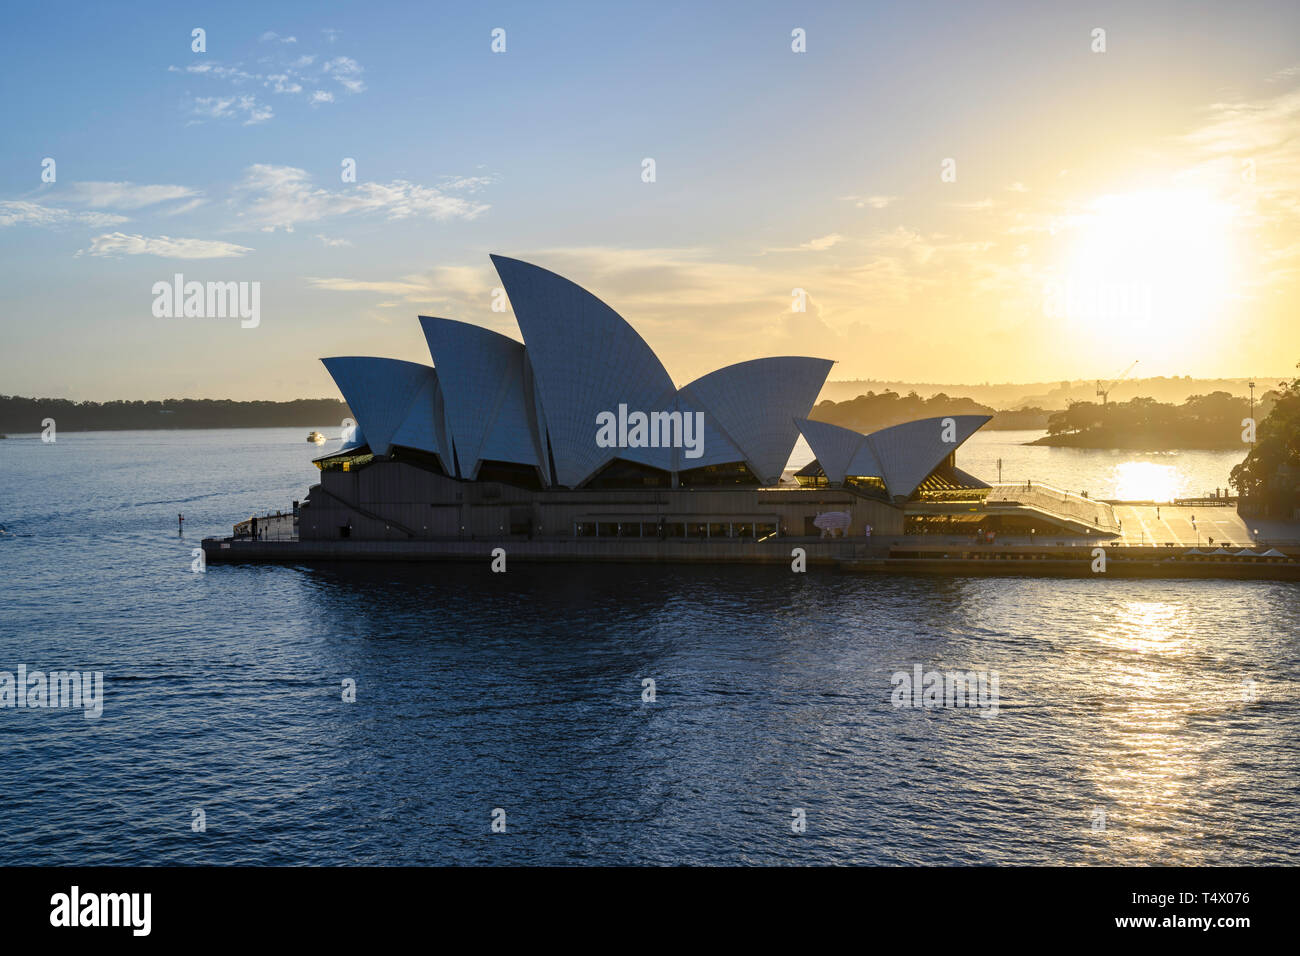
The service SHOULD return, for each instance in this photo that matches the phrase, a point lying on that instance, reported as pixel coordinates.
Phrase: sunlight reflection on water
(1147, 481)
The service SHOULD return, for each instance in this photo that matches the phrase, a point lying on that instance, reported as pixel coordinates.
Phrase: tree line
(876, 410)
(1214, 421)
(1268, 480)
(18, 414)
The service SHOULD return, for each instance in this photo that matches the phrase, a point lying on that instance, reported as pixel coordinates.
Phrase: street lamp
(1252, 415)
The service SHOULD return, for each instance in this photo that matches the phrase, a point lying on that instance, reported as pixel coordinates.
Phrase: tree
(1270, 475)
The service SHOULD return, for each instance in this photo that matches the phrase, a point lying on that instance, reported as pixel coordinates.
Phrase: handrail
(366, 513)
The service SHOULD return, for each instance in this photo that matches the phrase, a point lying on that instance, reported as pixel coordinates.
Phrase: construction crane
(1105, 392)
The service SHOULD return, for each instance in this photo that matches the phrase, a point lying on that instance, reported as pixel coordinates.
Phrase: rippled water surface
(523, 691)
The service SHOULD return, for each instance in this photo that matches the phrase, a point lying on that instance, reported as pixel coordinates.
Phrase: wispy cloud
(121, 244)
(282, 197)
(126, 195)
(227, 107)
(870, 202)
(183, 207)
(281, 83)
(283, 75)
(217, 71)
(820, 244)
(413, 288)
(24, 212)
(348, 73)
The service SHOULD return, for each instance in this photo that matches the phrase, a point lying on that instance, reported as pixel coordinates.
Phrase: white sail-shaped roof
(755, 404)
(381, 393)
(903, 455)
(586, 360)
(482, 377)
(835, 448)
(909, 452)
(865, 463)
(422, 427)
(716, 448)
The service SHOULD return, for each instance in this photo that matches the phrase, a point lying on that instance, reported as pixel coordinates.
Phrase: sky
(964, 192)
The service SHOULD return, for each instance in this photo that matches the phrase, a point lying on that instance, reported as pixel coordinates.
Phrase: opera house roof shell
(489, 398)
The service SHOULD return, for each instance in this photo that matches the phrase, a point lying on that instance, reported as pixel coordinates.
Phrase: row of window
(674, 529)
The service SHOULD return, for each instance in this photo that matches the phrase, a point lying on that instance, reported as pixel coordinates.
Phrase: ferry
(316, 438)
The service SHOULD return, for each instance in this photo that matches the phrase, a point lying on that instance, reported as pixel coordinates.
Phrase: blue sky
(774, 170)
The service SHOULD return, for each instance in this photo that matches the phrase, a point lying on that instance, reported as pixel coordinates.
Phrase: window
(711, 476)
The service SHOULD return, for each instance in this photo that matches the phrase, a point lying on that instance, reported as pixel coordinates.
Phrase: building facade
(579, 432)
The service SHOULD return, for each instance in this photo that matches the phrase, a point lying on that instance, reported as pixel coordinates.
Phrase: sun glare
(1151, 267)
(1146, 481)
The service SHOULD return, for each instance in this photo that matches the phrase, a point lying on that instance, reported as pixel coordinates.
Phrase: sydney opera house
(579, 434)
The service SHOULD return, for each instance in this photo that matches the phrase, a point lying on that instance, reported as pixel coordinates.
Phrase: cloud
(332, 242)
(415, 287)
(183, 207)
(232, 73)
(692, 306)
(872, 202)
(281, 197)
(452, 288)
(348, 73)
(824, 242)
(22, 212)
(228, 107)
(1249, 159)
(820, 244)
(1240, 128)
(280, 83)
(118, 243)
(285, 76)
(126, 195)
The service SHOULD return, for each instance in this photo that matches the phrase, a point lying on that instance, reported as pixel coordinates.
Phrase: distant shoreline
(1103, 442)
(29, 415)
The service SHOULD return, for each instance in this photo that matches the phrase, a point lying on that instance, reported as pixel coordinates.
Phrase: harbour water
(1138, 721)
(1102, 473)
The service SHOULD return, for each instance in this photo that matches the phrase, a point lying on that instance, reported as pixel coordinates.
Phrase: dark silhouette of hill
(1203, 421)
(19, 414)
(873, 411)
(1054, 395)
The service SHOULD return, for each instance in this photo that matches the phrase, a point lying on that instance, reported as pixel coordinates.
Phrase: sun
(1150, 267)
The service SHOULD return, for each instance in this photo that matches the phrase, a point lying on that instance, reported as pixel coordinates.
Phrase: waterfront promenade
(1173, 524)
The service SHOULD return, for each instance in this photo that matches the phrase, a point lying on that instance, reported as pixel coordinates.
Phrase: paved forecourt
(1186, 526)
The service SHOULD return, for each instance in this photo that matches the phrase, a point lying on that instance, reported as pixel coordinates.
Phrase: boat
(316, 438)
